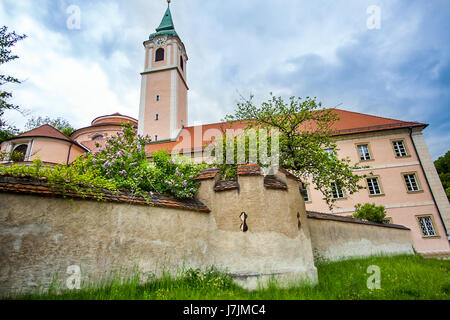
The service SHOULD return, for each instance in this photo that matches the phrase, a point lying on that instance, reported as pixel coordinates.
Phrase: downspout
(68, 155)
(428, 183)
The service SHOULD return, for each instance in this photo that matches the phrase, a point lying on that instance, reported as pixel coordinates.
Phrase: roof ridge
(371, 115)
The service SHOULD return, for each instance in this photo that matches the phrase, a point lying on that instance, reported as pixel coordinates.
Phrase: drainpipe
(428, 183)
(68, 155)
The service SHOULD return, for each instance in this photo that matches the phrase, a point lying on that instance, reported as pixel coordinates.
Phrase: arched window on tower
(181, 63)
(159, 55)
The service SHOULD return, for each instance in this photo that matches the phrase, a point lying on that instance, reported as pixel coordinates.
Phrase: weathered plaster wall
(337, 240)
(43, 236)
(274, 244)
(40, 237)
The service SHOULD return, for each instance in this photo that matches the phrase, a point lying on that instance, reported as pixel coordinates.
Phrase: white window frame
(427, 232)
(339, 191)
(407, 179)
(365, 154)
(13, 144)
(397, 150)
(371, 184)
(307, 197)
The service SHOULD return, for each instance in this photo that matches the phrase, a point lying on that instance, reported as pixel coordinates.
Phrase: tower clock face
(160, 42)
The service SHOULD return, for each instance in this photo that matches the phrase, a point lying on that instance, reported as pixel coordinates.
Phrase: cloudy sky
(321, 48)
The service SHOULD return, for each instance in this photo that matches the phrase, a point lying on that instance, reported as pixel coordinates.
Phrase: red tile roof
(327, 216)
(349, 123)
(271, 182)
(39, 187)
(355, 122)
(46, 131)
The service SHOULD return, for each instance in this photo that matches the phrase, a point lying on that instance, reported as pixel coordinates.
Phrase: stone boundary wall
(337, 238)
(255, 228)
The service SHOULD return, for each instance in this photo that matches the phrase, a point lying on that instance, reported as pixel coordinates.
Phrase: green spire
(166, 23)
(166, 27)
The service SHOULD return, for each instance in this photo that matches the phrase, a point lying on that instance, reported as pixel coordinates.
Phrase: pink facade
(101, 128)
(403, 206)
(47, 149)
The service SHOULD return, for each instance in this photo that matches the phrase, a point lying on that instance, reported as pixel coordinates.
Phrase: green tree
(59, 123)
(442, 165)
(306, 146)
(370, 212)
(7, 40)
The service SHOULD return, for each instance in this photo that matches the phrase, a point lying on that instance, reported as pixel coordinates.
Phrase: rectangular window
(157, 97)
(306, 196)
(374, 186)
(337, 191)
(411, 182)
(157, 117)
(399, 148)
(364, 153)
(427, 226)
(156, 138)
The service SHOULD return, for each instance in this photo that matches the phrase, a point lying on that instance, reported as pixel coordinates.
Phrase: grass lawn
(402, 277)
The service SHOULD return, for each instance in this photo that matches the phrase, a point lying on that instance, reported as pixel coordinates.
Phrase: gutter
(428, 183)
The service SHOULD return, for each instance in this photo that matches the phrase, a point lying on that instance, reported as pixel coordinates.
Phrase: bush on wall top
(370, 212)
(120, 165)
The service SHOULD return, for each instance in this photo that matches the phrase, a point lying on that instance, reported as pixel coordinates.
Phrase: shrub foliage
(370, 212)
(121, 164)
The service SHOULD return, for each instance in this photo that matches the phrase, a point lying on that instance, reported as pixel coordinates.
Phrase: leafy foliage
(121, 165)
(7, 40)
(76, 177)
(11, 156)
(305, 132)
(370, 212)
(443, 168)
(7, 131)
(245, 148)
(59, 123)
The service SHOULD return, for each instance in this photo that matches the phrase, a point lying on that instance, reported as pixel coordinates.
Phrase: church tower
(163, 105)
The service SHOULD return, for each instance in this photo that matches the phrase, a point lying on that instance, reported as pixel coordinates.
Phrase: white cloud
(233, 47)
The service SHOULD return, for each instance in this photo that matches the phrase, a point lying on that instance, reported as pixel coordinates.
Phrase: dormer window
(159, 55)
(181, 63)
(19, 152)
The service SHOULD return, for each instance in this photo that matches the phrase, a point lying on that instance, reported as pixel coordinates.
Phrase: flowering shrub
(174, 175)
(120, 165)
(122, 159)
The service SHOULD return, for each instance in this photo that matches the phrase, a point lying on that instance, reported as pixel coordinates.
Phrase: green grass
(402, 277)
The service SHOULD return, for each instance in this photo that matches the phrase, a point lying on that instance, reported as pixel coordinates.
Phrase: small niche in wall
(243, 217)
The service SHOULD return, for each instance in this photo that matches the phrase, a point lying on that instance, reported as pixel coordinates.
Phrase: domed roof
(115, 118)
